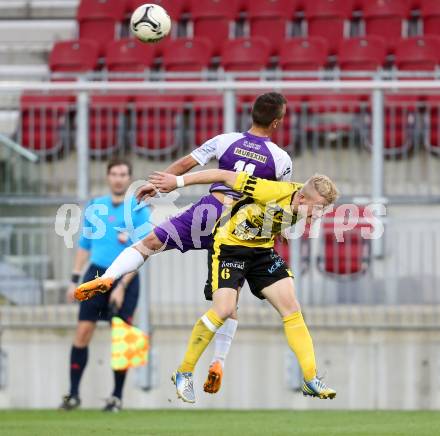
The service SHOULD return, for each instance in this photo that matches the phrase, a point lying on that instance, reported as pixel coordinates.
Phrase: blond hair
(324, 186)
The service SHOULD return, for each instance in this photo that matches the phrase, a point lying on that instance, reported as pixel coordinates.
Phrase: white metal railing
(363, 168)
(18, 73)
(17, 148)
(403, 272)
(415, 86)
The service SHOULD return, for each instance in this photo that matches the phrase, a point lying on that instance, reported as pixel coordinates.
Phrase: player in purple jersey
(251, 151)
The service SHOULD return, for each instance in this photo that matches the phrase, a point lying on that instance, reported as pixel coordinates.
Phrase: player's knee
(224, 310)
(83, 335)
(152, 242)
(290, 306)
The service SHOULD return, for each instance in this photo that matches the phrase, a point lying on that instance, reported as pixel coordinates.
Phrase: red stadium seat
(357, 5)
(327, 19)
(401, 134)
(98, 20)
(415, 4)
(175, 8)
(157, 124)
(410, 4)
(323, 111)
(187, 55)
(213, 20)
(77, 56)
(385, 18)
(107, 124)
(418, 54)
(432, 124)
(206, 118)
(129, 56)
(303, 54)
(362, 54)
(269, 18)
(245, 54)
(430, 12)
(344, 253)
(400, 115)
(45, 122)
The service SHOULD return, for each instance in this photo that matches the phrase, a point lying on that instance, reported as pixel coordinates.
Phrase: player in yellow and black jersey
(244, 236)
(243, 249)
(260, 215)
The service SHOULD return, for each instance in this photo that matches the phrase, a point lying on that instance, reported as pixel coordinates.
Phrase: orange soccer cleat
(214, 380)
(89, 289)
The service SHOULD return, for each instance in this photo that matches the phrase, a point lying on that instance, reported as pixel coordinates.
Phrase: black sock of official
(119, 383)
(78, 361)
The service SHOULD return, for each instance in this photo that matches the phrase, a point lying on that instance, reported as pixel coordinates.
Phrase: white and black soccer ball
(150, 23)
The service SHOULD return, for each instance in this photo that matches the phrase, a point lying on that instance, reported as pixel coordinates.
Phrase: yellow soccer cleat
(214, 380)
(89, 289)
(317, 388)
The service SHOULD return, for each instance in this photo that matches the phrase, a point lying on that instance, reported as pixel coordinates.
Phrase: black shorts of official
(98, 307)
(232, 264)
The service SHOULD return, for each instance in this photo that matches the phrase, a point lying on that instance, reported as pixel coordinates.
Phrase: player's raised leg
(281, 295)
(130, 259)
(187, 231)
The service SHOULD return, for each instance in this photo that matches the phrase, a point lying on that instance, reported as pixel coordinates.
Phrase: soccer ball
(150, 23)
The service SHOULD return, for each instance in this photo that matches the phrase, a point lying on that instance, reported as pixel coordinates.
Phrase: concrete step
(24, 53)
(38, 8)
(8, 122)
(28, 42)
(17, 287)
(36, 31)
(23, 72)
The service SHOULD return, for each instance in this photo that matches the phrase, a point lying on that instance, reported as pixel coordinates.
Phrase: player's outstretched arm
(181, 166)
(168, 182)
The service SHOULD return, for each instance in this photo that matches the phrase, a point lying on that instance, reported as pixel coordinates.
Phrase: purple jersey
(256, 155)
(191, 229)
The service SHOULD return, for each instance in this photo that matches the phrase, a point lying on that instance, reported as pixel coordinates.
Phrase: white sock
(128, 261)
(223, 340)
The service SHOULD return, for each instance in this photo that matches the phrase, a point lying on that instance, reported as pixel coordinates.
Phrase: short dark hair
(268, 107)
(116, 162)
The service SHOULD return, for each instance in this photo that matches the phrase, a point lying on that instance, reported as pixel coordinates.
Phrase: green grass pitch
(219, 423)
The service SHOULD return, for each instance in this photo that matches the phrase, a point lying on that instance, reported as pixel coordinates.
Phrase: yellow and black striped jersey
(255, 220)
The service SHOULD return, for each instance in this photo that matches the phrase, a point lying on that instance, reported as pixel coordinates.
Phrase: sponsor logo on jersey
(251, 145)
(208, 148)
(277, 264)
(236, 264)
(287, 171)
(250, 155)
(245, 231)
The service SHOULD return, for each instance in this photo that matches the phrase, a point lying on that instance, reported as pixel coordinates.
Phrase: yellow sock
(300, 341)
(202, 333)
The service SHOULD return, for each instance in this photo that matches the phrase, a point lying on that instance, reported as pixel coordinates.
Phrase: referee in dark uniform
(103, 237)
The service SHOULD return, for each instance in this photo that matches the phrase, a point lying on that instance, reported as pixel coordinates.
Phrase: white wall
(394, 366)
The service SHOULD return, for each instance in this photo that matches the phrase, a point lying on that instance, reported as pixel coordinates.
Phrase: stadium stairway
(16, 287)
(28, 29)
